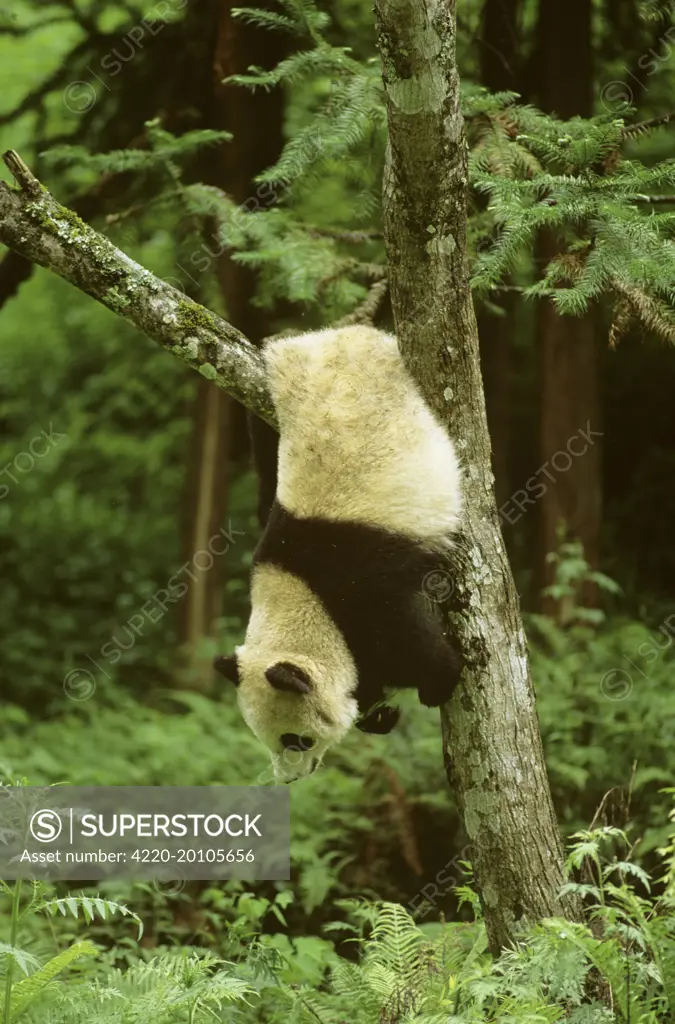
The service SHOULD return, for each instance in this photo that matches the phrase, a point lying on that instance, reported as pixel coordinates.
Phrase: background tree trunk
(499, 71)
(569, 388)
(255, 120)
(500, 45)
(491, 733)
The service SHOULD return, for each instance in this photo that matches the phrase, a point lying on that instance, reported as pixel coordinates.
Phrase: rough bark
(36, 226)
(492, 743)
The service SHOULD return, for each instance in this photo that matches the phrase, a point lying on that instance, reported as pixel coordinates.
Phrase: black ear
(379, 720)
(226, 664)
(288, 677)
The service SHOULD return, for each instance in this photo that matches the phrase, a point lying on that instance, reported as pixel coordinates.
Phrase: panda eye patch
(291, 741)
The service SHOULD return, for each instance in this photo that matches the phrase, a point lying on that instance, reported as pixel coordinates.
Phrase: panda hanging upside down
(368, 496)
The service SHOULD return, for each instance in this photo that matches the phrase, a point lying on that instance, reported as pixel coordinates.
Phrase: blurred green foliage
(87, 531)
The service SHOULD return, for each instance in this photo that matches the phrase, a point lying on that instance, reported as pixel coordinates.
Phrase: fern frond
(25, 992)
(90, 907)
(396, 942)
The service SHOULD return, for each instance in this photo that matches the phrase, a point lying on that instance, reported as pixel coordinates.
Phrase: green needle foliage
(312, 229)
(570, 179)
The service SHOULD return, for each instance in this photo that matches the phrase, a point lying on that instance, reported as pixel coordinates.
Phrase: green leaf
(20, 957)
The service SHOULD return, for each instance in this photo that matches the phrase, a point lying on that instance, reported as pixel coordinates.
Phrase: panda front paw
(379, 720)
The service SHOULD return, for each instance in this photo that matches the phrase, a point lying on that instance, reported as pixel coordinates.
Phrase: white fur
(286, 623)
(358, 442)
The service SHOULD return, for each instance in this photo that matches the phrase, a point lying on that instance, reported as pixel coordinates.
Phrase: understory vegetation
(379, 921)
(374, 962)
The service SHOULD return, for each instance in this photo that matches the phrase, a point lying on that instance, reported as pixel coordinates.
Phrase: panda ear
(226, 664)
(288, 677)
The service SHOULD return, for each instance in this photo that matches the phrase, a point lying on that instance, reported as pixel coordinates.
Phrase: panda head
(291, 705)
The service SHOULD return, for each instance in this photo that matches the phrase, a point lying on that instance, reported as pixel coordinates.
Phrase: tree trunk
(205, 507)
(499, 71)
(496, 334)
(569, 393)
(500, 45)
(217, 418)
(569, 388)
(492, 743)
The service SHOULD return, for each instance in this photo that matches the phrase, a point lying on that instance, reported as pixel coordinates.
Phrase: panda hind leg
(433, 659)
(264, 442)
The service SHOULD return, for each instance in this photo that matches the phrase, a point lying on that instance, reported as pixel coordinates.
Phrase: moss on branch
(34, 225)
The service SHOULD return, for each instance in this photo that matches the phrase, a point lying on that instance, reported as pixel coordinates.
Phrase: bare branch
(22, 173)
(36, 226)
(14, 269)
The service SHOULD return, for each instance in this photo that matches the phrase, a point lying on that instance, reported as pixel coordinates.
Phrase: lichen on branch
(35, 225)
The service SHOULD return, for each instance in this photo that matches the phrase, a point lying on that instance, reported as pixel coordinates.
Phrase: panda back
(358, 442)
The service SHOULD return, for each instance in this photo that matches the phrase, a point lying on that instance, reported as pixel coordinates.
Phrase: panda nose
(291, 741)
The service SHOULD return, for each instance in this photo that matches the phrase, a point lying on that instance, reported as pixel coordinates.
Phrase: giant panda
(368, 497)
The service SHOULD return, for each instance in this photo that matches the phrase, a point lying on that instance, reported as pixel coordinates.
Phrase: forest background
(127, 502)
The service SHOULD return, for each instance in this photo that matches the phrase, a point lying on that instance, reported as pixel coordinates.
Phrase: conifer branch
(371, 271)
(34, 225)
(632, 131)
(366, 310)
(649, 311)
(351, 237)
(655, 199)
